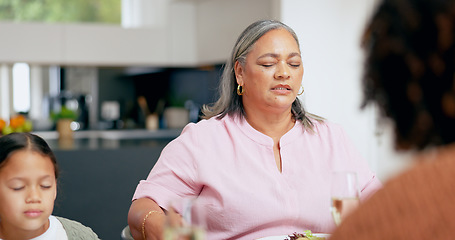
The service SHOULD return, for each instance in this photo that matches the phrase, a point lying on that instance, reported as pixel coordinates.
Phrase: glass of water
(185, 219)
(345, 194)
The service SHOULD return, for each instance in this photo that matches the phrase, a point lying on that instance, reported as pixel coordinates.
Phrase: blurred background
(131, 73)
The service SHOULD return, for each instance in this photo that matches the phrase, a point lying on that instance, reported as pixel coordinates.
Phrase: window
(101, 11)
(21, 87)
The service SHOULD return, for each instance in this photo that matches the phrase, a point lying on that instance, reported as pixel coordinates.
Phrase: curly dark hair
(410, 69)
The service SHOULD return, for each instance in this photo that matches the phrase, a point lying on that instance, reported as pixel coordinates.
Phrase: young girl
(28, 188)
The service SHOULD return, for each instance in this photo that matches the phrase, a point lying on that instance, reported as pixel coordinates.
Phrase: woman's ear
(238, 71)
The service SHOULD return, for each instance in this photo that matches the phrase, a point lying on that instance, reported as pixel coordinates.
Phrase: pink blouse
(231, 167)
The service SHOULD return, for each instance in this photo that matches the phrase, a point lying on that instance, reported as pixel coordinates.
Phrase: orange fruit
(17, 121)
(2, 124)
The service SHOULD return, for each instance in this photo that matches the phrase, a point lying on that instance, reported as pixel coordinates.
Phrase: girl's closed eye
(47, 183)
(17, 188)
(16, 185)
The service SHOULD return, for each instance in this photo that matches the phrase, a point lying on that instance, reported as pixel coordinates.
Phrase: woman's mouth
(281, 89)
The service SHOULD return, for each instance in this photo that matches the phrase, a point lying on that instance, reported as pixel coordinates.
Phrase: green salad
(306, 235)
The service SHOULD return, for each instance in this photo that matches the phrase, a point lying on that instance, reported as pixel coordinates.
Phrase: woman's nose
(282, 71)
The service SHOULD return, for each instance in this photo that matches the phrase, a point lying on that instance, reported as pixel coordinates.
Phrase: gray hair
(229, 102)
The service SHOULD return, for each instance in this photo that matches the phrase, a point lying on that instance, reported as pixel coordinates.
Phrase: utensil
(344, 194)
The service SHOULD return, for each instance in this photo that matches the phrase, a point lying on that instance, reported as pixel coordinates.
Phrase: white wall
(220, 22)
(329, 32)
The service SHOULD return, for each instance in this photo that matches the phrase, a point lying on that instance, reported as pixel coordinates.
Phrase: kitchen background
(169, 53)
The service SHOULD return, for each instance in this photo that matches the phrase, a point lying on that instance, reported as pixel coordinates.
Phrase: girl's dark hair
(25, 141)
(410, 68)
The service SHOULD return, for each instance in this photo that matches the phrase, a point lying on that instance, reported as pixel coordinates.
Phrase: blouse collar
(263, 139)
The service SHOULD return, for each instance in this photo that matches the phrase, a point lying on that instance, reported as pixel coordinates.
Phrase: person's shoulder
(76, 230)
(203, 129)
(430, 177)
(324, 126)
(207, 125)
(211, 122)
(435, 164)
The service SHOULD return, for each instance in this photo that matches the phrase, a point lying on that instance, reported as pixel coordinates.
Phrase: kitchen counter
(109, 139)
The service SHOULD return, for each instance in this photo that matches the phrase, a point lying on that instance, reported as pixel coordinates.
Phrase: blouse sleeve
(175, 173)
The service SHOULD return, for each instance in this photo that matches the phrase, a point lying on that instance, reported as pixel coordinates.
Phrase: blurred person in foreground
(258, 162)
(410, 75)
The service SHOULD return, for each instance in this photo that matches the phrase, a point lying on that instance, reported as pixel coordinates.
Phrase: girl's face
(27, 193)
(272, 73)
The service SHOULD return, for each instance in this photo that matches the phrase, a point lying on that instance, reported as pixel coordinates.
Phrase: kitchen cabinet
(194, 33)
(96, 186)
(99, 174)
(82, 44)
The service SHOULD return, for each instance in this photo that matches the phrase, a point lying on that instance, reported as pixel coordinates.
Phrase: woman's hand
(146, 218)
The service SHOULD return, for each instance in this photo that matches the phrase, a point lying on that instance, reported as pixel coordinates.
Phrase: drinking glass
(344, 193)
(185, 219)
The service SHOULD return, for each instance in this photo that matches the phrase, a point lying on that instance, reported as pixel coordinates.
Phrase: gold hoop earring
(303, 90)
(240, 90)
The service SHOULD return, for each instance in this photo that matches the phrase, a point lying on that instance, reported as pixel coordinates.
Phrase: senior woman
(258, 162)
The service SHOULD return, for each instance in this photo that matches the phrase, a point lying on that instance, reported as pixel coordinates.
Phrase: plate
(283, 237)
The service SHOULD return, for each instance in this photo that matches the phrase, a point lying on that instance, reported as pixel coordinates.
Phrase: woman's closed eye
(267, 64)
(266, 61)
(294, 64)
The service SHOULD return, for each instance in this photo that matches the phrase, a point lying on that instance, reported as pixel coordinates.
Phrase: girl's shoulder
(76, 230)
